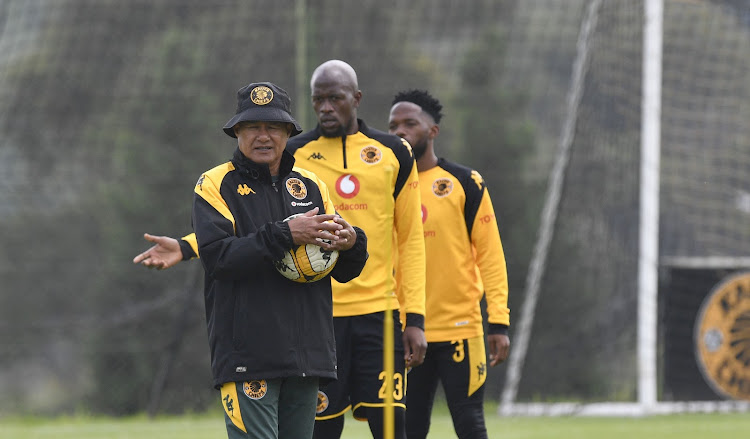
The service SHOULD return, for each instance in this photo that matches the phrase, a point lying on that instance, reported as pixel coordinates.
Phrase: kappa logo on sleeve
(477, 179)
(408, 147)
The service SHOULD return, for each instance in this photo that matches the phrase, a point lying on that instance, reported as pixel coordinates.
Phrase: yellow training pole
(388, 419)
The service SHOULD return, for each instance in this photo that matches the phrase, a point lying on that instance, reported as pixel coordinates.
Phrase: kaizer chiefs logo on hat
(296, 188)
(261, 95)
(255, 389)
(442, 187)
(322, 402)
(722, 337)
(370, 154)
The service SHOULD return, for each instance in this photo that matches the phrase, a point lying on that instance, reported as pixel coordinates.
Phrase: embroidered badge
(370, 154)
(296, 188)
(255, 389)
(442, 187)
(322, 402)
(261, 95)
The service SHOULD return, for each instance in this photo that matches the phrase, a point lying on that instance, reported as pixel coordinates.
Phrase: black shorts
(461, 367)
(361, 376)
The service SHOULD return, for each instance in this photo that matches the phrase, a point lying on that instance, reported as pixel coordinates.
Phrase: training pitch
(210, 426)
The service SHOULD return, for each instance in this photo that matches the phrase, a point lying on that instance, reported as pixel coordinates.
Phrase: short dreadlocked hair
(429, 104)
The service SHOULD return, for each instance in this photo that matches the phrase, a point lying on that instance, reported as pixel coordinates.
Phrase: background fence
(110, 110)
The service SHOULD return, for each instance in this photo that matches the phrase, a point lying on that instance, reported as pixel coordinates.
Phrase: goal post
(648, 257)
(630, 291)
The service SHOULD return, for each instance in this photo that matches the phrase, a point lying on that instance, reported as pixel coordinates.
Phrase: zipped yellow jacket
(373, 181)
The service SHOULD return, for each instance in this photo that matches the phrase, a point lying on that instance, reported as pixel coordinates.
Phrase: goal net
(635, 300)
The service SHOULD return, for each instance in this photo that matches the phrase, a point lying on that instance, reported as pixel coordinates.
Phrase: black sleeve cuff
(413, 319)
(351, 262)
(360, 245)
(498, 329)
(286, 235)
(187, 250)
(278, 237)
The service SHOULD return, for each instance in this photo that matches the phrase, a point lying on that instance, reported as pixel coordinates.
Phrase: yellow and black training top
(260, 324)
(374, 184)
(464, 254)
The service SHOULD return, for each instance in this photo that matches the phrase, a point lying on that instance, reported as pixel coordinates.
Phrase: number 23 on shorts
(398, 386)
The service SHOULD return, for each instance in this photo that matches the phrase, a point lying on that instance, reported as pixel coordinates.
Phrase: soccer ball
(306, 263)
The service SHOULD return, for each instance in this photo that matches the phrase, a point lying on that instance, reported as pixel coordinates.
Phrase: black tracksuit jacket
(260, 324)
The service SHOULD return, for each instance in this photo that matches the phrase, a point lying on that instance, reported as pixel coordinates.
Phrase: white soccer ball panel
(320, 260)
(287, 266)
(306, 263)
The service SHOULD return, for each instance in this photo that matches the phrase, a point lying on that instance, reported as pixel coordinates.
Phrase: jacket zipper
(343, 148)
(302, 364)
(278, 206)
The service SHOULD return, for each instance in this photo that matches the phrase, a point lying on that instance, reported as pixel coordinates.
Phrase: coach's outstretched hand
(164, 254)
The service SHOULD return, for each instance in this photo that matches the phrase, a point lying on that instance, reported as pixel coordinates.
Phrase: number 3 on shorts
(398, 386)
(458, 356)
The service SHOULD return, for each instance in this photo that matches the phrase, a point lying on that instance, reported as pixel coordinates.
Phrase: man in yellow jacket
(465, 261)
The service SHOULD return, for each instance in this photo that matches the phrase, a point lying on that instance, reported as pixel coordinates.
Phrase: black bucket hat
(262, 101)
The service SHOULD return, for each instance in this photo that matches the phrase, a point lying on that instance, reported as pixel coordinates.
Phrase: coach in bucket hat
(271, 339)
(262, 101)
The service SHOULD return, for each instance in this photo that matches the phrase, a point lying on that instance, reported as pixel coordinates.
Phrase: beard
(419, 148)
(339, 131)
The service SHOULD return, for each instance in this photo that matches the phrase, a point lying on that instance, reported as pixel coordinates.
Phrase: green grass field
(210, 426)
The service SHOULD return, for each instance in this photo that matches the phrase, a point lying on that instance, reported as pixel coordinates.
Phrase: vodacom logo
(424, 214)
(347, 186)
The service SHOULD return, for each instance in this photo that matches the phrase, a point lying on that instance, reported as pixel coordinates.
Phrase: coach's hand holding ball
(328, 231)
(318, 239)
